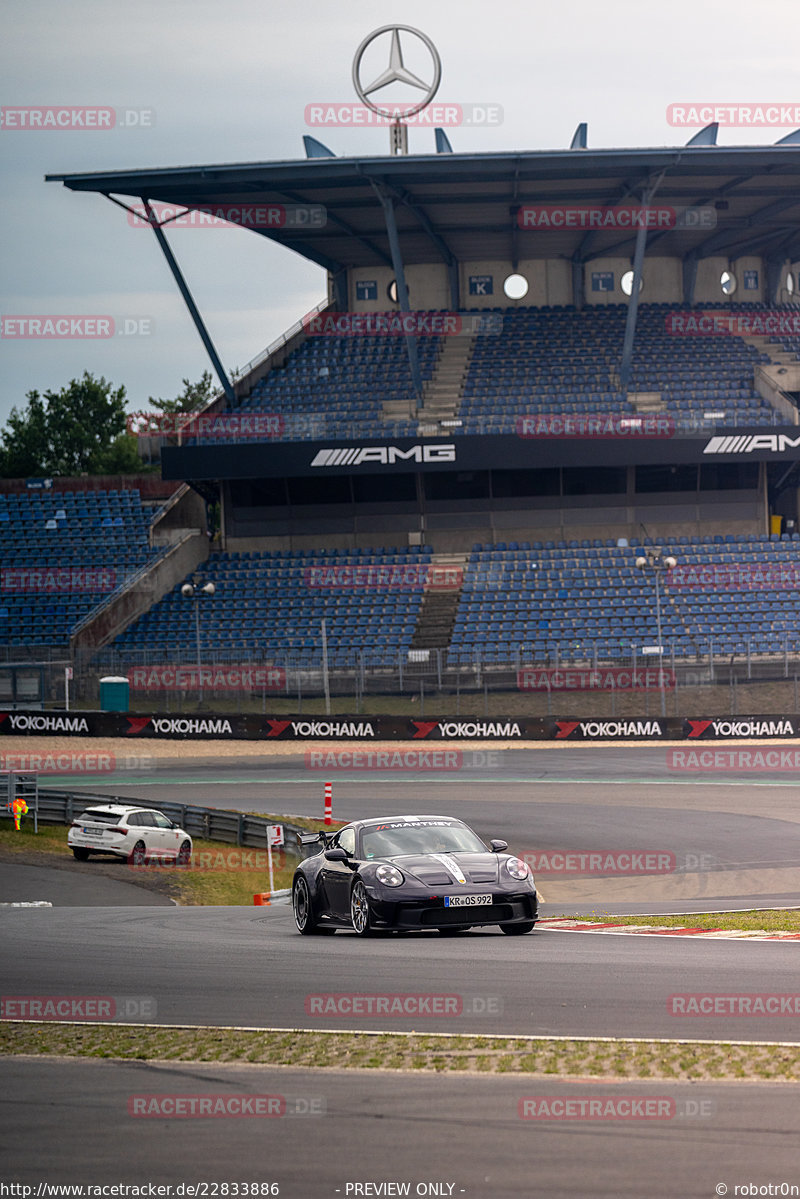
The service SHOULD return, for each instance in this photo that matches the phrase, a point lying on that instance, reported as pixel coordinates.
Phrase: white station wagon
(126, 831)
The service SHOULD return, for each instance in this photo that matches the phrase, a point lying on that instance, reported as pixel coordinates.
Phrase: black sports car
(411, 872)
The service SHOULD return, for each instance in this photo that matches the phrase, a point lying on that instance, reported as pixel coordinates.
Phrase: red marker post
(329, 803)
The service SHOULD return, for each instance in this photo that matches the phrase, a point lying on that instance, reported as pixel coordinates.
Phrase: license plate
(93, 832)
(466, 901)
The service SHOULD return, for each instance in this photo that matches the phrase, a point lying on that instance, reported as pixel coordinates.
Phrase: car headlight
(517, 868)
(390, 876)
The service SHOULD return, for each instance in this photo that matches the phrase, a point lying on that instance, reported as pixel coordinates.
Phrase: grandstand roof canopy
(463, 207)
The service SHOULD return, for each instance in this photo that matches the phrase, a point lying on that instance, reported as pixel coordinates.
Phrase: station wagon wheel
(138, 854)
(80, 853)
(359, 909)
(184, 854)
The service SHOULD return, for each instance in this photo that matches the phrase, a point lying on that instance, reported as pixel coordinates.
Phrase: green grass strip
(559, 1057)
(753, 920)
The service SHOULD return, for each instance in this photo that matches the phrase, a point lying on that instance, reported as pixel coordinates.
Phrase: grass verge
(220, 874)
(674, 1061)
(753, 920)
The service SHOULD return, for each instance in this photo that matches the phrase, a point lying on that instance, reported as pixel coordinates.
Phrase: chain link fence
(585, 681)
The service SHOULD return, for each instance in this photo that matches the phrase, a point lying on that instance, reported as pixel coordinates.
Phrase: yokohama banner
(373, 729)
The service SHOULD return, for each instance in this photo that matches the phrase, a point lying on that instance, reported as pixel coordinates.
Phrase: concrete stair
(442, 392)
(647, 401)
(437, 614)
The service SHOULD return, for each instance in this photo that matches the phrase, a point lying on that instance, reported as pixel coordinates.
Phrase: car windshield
(391, 840)
(97, 816)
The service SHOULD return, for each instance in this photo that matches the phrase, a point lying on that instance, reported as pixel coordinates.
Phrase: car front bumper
(409, 914)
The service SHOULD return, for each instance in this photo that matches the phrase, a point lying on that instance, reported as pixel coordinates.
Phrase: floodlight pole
(325, 677)
(653, 559)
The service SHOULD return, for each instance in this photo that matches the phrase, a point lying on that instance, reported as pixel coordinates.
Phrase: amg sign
(383, 455)
(749, 443)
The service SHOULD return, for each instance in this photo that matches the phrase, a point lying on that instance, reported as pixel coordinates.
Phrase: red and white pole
(329, 803)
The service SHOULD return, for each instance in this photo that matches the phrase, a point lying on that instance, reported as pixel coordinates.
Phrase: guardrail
(213, 824)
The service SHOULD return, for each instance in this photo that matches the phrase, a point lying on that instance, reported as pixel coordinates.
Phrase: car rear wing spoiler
(314, 838)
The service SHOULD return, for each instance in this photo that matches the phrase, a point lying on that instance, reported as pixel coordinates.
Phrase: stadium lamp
(655, 560)
(196, 591)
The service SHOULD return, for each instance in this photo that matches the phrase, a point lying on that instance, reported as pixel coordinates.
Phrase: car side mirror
(498, 846)
(336, 855)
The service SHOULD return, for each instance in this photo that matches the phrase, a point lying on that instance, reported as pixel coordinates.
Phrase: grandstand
(393, 452)
(64, 553)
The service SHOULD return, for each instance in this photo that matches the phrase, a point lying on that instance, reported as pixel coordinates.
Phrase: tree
(194, 396)
(77, 430)
(24, 447)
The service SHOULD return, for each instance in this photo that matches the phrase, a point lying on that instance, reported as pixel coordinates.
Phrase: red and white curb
(718, 934)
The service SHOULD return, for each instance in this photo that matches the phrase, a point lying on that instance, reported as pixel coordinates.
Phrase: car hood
(443, 869)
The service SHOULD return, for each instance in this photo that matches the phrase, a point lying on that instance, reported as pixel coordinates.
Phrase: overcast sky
(230, 83)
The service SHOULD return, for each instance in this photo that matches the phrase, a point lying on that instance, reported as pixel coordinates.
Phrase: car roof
(373, 820)
(118, 809)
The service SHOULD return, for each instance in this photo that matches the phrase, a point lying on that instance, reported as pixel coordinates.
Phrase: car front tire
(184, 854)
(359, 909)
(517, 930)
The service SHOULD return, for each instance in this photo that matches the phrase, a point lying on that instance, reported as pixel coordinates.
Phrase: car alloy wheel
(184, 854)
(301, 904)
(138, 854)
(359, 909)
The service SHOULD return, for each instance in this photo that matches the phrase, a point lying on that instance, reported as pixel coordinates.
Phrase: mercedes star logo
(397, 72)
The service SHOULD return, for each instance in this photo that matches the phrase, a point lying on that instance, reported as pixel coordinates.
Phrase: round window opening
(626, 283)
(727, 282)
(515, 287)
(391, 291)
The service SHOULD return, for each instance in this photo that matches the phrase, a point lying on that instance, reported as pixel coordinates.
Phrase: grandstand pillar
(402, 289)
(633, 306)
(689, 269)
(189, 302)
(578, 289)
(773, 269)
